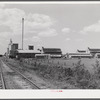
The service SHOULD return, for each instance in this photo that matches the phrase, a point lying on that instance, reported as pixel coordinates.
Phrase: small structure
(80, 55)
(54, 52)
(13, 50)
(14, 46)
(26, 53)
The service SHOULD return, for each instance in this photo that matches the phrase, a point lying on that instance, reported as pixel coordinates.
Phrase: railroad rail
(23, 76)
(2, 81)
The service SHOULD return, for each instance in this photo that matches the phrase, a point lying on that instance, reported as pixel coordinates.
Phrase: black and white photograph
(49, 46)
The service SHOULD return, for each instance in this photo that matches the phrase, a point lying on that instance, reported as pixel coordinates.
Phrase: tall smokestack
(22, 32)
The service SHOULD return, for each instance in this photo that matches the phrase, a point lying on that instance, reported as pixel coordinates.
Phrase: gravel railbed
(30, 73)
(0, 80)
(2, 83)
(13, 80)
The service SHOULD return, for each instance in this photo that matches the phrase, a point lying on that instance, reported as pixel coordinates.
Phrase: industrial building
(79, 55)
(93, 51)
(54, 52)
(13, 50)
(26, 53)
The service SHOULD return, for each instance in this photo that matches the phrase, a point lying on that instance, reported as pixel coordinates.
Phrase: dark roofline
(94, 49)
(51, 48)
(81, 50)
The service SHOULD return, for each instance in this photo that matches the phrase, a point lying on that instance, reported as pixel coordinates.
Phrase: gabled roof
(52, 50)
(94, 49)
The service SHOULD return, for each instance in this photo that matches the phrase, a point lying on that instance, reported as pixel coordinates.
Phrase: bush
(77, 75)
(97, 68)
(81, 75)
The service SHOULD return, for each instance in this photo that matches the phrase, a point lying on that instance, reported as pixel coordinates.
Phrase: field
(65, 73)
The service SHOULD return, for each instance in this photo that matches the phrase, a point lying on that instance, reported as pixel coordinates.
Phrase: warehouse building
(80, 55)
(26, 53)
(54, 52)
(93, 51)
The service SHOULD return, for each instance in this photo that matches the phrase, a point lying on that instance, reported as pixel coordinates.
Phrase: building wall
(13, 50)
(42, 56)
(26, 55)
(80, 56)
(14, 47)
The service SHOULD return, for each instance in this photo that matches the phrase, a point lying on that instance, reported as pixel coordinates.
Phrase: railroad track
(23, 76)
(2, 81)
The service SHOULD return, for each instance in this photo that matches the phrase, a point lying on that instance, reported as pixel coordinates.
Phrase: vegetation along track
(2, 81)
(25, 77)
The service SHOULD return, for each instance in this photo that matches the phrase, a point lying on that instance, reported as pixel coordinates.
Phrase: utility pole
(22, 32)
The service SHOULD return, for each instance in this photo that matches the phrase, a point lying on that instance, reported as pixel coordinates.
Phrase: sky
(66, 26)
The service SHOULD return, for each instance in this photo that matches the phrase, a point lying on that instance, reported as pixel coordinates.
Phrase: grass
(74, 73)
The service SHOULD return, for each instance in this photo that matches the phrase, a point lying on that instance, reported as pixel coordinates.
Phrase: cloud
(5, 34)
(12, 18)
(91, 28)
(36, 39)
(48, 33)
(79, 40)
(4, 28)
(39, 23)
(67, 39)
(33, 39)
(66, 30)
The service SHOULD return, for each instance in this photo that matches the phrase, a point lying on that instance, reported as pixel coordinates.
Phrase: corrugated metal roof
(45, 50)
